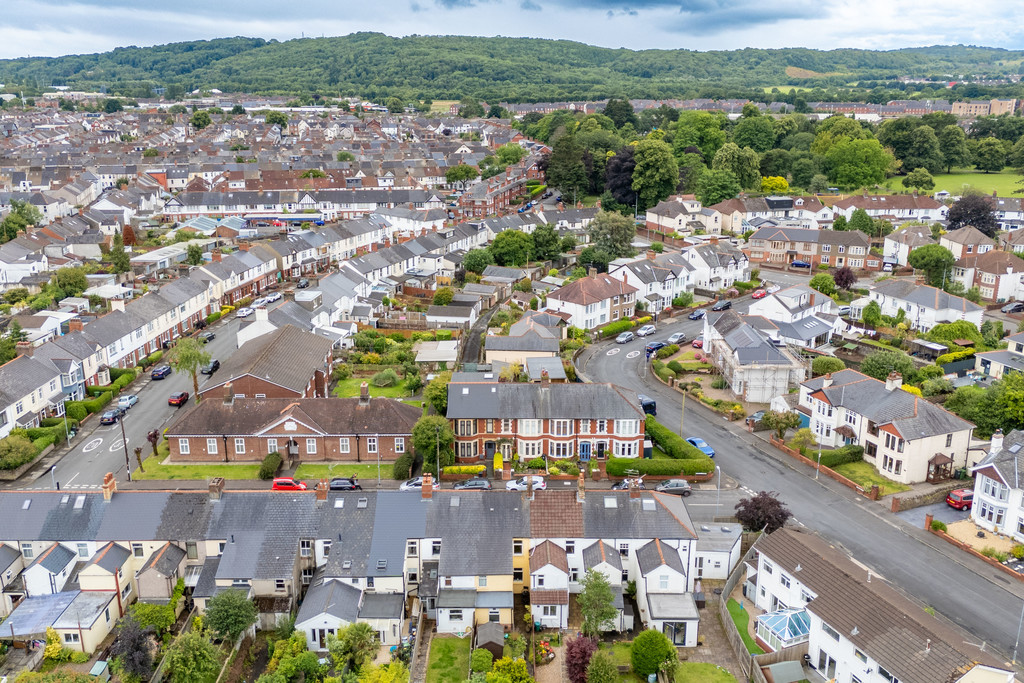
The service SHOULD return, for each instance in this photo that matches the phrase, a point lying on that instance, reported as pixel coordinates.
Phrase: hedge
(674, 445)
(153, 358)
(269, 466)
(402, 468)
(41, 443)
(125, 378)
(465, 469)
(954, 356)
(842, 456)
(213, 317)
(675, 366)
(564, 467)
(59, 422)
(616, 328)
(443, 335)
(535, 464)
(75, 410)
(617, 467)
(93, 406)
(666, 351)
(56, 434)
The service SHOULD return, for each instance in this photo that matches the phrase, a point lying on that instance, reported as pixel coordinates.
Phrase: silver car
(522, 484)
(677, 338)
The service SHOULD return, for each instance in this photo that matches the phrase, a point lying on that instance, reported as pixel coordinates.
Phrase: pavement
(972, 594)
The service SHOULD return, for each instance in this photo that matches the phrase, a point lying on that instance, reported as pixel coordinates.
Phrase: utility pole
(124, 439)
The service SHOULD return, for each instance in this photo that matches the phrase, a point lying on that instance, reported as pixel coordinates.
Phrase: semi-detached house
(594, 300)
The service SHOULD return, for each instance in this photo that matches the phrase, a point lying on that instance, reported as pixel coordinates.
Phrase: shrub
(617, 467)
(1017, 551)
(270, 465)
(75, 410)
(719, 383)
(481, 660)
(59, 422)
(15, 451)
(465, 469)
(402, 468)
(97, 404)
(665, 374)
(823, 365)
(938, 526)
(649, 651)
(676, 367)
(341, 372)
(988, 551)
(954, 356)
(444, 335)
(213, 317)
(683, 300)
(937, 385)
(666, 351)
(535, 464)
(385, 378)
(616, 328)
(911, 390)
(842, 456)
(674, 445)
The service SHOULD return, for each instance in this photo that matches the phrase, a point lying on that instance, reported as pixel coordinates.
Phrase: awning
(940, 459)
(846, 431)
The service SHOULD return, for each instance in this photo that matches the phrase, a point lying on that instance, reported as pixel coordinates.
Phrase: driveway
(938, 511)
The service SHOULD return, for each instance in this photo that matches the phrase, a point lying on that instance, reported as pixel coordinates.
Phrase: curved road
(977, 597)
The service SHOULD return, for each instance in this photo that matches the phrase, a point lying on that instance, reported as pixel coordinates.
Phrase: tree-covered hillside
(452, 67)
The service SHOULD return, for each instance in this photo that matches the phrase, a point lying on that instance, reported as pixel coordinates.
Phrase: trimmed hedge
(616, 328)
(75, 410)
(270, 465)
(59, 422)
(666, 351)
(954, 356)
(465, 469)
(93, 406)
(674, 445)
(535, 464)
(213, 317)
(675, 366)
(402, 468)
(617, 467)
(125, 378)
(842, 456)
(153, 358)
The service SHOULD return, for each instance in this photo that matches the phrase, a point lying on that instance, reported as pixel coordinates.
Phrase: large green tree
(230, 612)
(925, 151)
(857, 163)
(546, 243)
(194, 254)
(566, 170)
(430, 433)
(512, 248)
(881, 363)
(755, 132)
(953, 145)
(989, 155)
(935, 260)
(742, 162)
(699, 129)
(192, 657)
(596, 603)
(612, 233)
(436, 392)
(919, 179)
(119, 259)
(656, 173)
(188, 356)
(476, 260)
(71, 280)
(620, 112)
(460, 174)
(200, 120)
(717, 186)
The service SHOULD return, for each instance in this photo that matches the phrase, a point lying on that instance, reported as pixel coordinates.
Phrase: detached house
(999, 486)
(683, 214)
(594, 300)
(966, 241)
(658, 278)
(900, 243)
(999, 275)
(802, 316)
(756, 366)
(925, 307)
(716, 265)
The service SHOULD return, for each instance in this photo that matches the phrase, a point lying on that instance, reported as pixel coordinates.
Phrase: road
(969, 592)
(99, 449)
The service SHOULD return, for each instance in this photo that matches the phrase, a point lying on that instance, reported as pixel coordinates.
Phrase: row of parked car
(679, 487)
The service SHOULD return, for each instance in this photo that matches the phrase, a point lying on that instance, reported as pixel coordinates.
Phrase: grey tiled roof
(382, 606)
(111, 557)
(329, 596)
(656, 554)
(600, 552)
(165, 560)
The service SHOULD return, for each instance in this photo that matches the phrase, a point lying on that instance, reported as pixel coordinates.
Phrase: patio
(966, 531)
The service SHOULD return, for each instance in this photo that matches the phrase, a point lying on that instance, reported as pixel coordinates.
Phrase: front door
(584, 451)
(489, 449)
(700, 567)
(320, 636)
(293, 448)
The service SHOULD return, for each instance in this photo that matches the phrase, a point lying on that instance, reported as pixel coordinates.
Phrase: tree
(436, 392)
(345, 155)
(112, 105)
(823, 283)
(924, 151)
(476, 260)
(276, 118)
(460, 174)
(200, 120)
(567, 244)
(844, 277)
(989, 155)
(612, 233)
(717, 186)
(481, 660)
(835, 130)
(860, 220)
(355, 644)
(602, 669)
(119, 259)
(618, 175)
(510, 153)
(774, 185)
(699, 129)
(578, 653)
(508, 670)
(919, 179)
(430, 433)
(192, 657)
(596, 603)
(443, 296)
(511, 248)
(546, 243)
(133, 648)
(595, 258)
(394, 672)
(650, 651)
(471, 109)
(742, 162)
(953, 146)
(881, 364)
(565, 166)
(194, 254)
(71, 281)
(756, 132)
(872, 314)
(620, 112)
(857, 163)
(188, 356)
(764, 510)
(824, 365)
(973, 209)
(935, 260)
(780, 423)
(229, 613)
(656, 173)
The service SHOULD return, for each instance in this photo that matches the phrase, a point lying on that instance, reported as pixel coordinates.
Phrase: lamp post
(718, 495)
(53, 478)
(1016, 644)
(124, 439)
(818, 469)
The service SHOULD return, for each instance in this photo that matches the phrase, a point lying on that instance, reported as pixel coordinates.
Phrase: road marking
(68, 482)
(632, 354)
(92, 445)
(118, 445)
(612, 352)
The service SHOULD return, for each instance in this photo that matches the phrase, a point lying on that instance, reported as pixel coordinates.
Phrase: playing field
(1003, 183)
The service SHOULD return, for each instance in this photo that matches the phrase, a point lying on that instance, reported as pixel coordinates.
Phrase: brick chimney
(216, 488)
(364, 394)
(545, 380)
(243, 246)
(24, 348)
(109, 486)
(810, 302)
(997, 442)
(229, 395)
(216, 256)
(428, 486)
(634, 490)
(651, 254)
(75, 325)
(581, 491)
(321, 491)
(826, 381)
(893, 381)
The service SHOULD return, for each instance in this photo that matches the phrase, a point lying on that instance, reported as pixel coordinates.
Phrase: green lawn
(350, 387)
(449, 660)
(740, 617)
(687, 358)
(865, 474)
(154, 469)
(702, 672)
(1004, 182)
(367, 471)
(619, 653)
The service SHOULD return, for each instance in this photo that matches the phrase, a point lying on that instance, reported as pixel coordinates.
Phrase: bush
(616, 328)
(385, 378)
(674, 445)
(97, 404)
(481, 660)
(666, 351)
(341, 372)
(270, 465)
(213, 317)
(842, 456)
(649, 651)
(75, 410)
(535, 464)
(938, 526)
(444, 335)
(684, 300)
(1017, 551)
(59, 422)
(465, 469)
(911, 390)
(617, 467)
(665, 374)
(15, 451)
(824, 365)
(954, 356)
(719, 383)
(152, 359)
(402, 468)
(676, 367)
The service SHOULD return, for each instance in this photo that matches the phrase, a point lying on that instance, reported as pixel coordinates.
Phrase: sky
(57, 27)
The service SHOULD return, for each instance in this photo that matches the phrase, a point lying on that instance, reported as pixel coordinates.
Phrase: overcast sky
(57, 27)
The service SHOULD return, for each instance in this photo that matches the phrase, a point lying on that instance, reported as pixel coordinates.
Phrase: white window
(271, 445)
(399, 444)
(529, 427)
(371, 444)
(481, 581)
(561, 449)
(550, 611)
(538, 581)
(137, 550)
(343, 446)
(506, 426)
(83, 550)
(832, 633)
(625, 449)
(455, 614)
(784, 580)
(310, 446)
(584, 426)
(663, 582)
(627, 427)
(561, 427)
(211, 446)
(517, 547)
(412, 549)
(279, 585)
(305, 548)
(239, 446)
(327, 548)
(71, 638)
(570, 547)
(183, 446)
(768, 567)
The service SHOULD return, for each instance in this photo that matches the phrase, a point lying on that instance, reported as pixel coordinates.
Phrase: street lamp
(818, 470)
(53, 478)
(124, 439)
(1016, 644)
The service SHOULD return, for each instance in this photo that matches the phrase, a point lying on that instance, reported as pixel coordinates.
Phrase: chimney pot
(893, 381)
(591, 272)
(651, 254)
(216, 488)
(229, 396)
(364, 394)
(321, 491)
(109, 486)
(545, 380)
(634, 489)
(428, 486)
(216, 256)
(997, 442)
(24, 348)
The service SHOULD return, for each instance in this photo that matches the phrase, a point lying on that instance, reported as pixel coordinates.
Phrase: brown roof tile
(588, 290)
(556, 514)
(549, 553)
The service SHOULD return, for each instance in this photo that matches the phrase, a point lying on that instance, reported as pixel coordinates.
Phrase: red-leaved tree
(578, 652)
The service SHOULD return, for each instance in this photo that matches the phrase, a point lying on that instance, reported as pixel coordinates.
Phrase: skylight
(79, 502)
(611, 502)
(647, 504)
(361, 503)
(339, 502)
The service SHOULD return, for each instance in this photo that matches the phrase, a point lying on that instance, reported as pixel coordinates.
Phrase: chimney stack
(216, 488)
(997, 442)
(24, 348)
(229, 396)
(893, 381)
(109, 486)
(826, 382)
(591, 272)
(243, 246)
(810, 302)
(427, 490)
(321, 491)
(364, 394)
(117, 305)
(545, 380)
(651, 254)
(634, 489)
(581, 491)
(216, 256)
(75, 325)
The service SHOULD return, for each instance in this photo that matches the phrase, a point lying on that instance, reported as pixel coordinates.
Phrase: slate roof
(287, 357)
(22, 376)
(654, 554)
(110, 557)
(600, 552)
(922, 295)
(536, 401)
(382, 606)
(8, 555)
(1008, 461)
(329, 596)
(54, 559)
(164, 561)
(476, 531)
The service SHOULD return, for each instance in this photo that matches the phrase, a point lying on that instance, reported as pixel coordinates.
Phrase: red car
(759, 294)
(288, 484)
(698, 343)
(961, 499)
(178, 398)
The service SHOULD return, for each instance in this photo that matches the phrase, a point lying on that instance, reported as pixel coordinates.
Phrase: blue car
(701, 445)
(161, 372)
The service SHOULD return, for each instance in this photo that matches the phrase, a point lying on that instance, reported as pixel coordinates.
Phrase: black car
(207, 337)
(303, 283)
(161, 372)
(654, 346)
(474, 484)
(345, 484)
(211, 367)
(1013, 307)
(697, 315)
(722, 305)
(110, 417)
(678, 487)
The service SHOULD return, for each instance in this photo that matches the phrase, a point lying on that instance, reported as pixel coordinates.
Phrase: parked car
(773, 288)
(698, 314)
(110, 417)
(258, 303)
(303, 283)
(244, 312)
(344, 484)
(211, 367)
(845, 311)
(677, 487)
(800, 264)
(1013, 307)
(624, 338)
(759, 294)
(275, 296)
(646, 331)
(206, 337)
(160, 372)
(625, 483)
(701, 445)
(474, 484)
(722, 305)
(416, 484)
(654, 346)
(521, 484)
(126, 402)
(178, 398)
(677, 338)
(648, 405)
(697, 343)
(961, 499)
(755, 418)
(288, 484)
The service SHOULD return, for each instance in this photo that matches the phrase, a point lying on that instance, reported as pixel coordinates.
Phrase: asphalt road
(967, 591)
(99, 449)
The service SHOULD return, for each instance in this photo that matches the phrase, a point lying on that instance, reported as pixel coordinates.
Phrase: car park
(722, 305)
(160, 372)
(244, 312)
(759, 294)
(698, 314)
(474, 484)
(416, 484)
(1013, 307)
(206, 337)
(800, 264)
(288, 484)
(701, 445)
(127, 401)
(110, 417)
(677, 338)
(677, 487)
(344, 484)
(624, 338)
(178, 398)
(625, 484)
(654, 346)
(646, 331)
(522, 483)
(275, 296)
(960, 499)
(211, 367)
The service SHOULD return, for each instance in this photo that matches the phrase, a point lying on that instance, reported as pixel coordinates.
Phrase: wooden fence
(732, 634)
(790, 654)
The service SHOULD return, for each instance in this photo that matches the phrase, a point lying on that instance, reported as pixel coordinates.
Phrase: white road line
(68, 483)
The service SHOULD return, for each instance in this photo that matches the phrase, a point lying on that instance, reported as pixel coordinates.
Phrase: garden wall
(872, 493)
(930, 498)
(968, 549)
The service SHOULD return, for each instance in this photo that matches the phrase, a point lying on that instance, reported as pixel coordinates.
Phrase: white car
(522, 484)
(259, 303)
(646, 331)
(276, 296)
(773, 289)
(416, 484)
(126, 402)
(244, 312)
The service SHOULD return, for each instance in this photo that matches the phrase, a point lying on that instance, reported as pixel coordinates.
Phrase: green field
(1003, 183)
(783, 89)
(449, 660)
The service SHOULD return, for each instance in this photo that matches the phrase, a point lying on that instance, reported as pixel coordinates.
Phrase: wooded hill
(514, 69)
